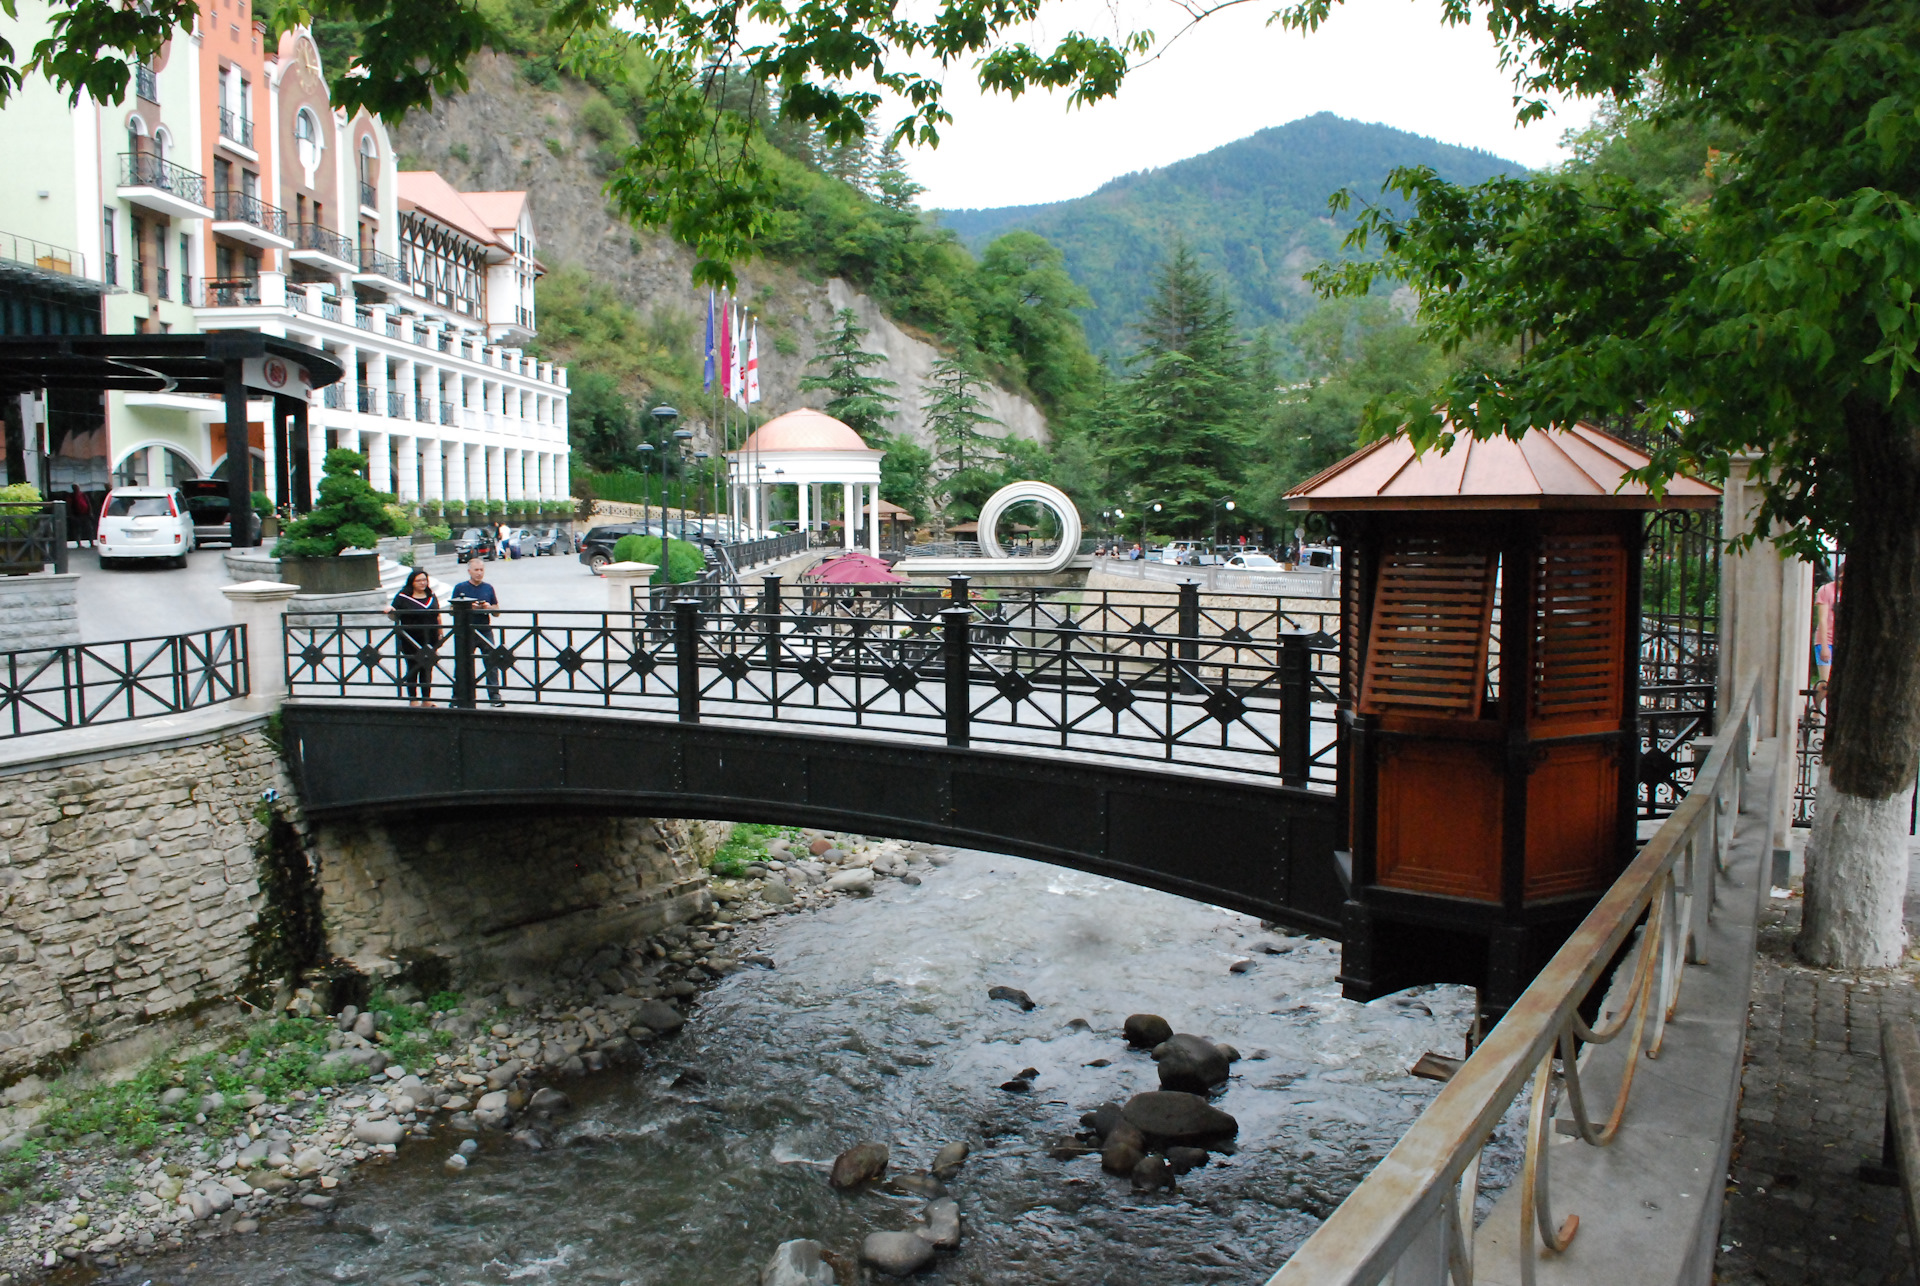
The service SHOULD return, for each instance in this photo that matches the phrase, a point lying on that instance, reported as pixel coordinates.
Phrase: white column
(514, 457)
(261, 605)
(378, 471)
(496, 473)
(849, 518)
(476, 473)
(432, 484)
(873, 519)
(802, 493)
(407, 462)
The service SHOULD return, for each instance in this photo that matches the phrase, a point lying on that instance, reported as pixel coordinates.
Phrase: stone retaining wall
(38, 611)
(131, 884)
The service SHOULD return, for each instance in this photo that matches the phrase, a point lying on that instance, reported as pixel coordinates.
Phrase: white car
(1255, 562)
(145, 522)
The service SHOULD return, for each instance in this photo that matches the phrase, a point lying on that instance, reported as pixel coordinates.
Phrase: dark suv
(596, 547)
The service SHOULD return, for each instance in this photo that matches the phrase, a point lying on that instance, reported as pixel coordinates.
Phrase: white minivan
(145, 522)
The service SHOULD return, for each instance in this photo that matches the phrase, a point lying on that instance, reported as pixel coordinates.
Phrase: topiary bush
(350, 515)
(684, 561)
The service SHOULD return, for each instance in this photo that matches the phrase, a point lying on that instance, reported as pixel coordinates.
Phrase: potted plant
(496, 508)
(18, 553)
(351, 515)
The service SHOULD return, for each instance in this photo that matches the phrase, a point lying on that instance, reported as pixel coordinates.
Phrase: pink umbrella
(853, 569)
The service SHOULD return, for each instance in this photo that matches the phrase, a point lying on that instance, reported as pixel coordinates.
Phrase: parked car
(596, 547)
(514, 542)
(145, 522)
(474, 543)
(1320, 556)
(1255, 562)
(207, 503)
(551, 540)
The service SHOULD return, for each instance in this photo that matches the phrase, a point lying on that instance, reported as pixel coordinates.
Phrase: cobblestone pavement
(1811, 1111)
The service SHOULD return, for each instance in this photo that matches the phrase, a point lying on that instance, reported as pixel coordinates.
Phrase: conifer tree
(859, 400)
(1186, 432)
(954, 415)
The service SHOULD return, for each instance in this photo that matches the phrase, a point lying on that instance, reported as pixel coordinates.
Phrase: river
(876, 1025)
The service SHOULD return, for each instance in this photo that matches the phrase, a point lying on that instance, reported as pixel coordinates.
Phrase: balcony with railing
(384, 271)
(247, 218)
(423, 409)
(145, 84)
(369, 195)
(232, 292)
(162, 285)
(157, 184)
(397, 406)
(47, 257)
(323, 248)
(366, 402)
(446, 413)
(236, 128)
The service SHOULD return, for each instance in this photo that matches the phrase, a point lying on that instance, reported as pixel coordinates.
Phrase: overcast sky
(1389, 61)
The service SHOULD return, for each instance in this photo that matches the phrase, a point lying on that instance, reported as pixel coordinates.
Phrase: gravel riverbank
(212, 1139)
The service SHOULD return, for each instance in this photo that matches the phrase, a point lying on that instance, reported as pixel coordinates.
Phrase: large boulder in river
(1168, 1118)
(1124, 1147)
(658, 1015)
(1191, 1063)
(858, 1164)
(797, 1263)
(1144, 1031)
(898, 1254)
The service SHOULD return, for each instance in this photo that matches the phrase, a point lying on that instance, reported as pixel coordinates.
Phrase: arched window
(306, 139)
(162, 142)
(369, 172)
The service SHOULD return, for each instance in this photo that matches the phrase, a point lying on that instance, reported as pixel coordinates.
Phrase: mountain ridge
(1253, 210)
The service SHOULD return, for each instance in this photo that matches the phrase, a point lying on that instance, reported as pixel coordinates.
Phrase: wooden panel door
(1439, 816)
(1573, 819)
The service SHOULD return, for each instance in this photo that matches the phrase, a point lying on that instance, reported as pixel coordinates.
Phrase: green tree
(1769, 311)
(953, 416)
(859, 400)
(906, 475)
(1186, 428)
(350, 515)
(600, 420)
(1026, 318)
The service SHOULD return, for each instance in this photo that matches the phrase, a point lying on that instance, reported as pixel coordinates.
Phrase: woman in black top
(416, 617)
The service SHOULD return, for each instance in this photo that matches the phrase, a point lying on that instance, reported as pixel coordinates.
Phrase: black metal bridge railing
(959, 675)
(77, 685)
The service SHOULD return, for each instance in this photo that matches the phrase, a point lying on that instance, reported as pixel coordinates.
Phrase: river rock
(776, 893)
(1102, 1119)
(389, 1130)
(1169, 1117)
(859, 1163)
(920, 1185)
(1144, 1031)
(858, 880)
(1185, 1159)
(549, 1100)
(942, 1228)
(898, 1254)
(308, 1161)
(948, 1160)
(1124, 1147)
(1227, 1052)
(1012, 995)
(620, 1049)
(455, 1162)
(659, 1016)
(363, 1027)
(797, 1263)
(173, 1097)
(818, 847)
(343, 1021)
(217, 1196)
(200, 1208)
(1191, 1063)
(211, 1103)
(503, 1075)
(1152, 1174)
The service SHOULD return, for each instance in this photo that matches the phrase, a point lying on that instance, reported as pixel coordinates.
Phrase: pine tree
(1186, 434)
(953, 415)
(860, 401)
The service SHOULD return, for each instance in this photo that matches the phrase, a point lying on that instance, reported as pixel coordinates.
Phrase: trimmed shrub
(350, 515)
(684, 561)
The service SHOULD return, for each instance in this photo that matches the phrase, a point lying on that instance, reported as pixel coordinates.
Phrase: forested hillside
(1254, 212)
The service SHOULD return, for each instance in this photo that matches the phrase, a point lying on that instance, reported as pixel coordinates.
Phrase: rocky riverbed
(994, 1032)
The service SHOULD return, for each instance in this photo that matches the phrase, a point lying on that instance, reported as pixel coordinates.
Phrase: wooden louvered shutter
(1579, 612)
(1432, 612)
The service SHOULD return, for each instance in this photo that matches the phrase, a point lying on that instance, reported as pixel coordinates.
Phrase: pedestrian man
(485, 602)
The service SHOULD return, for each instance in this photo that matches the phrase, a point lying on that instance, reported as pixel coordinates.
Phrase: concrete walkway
(1813, 1103)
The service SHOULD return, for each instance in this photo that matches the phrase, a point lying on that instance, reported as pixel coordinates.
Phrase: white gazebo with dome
(809, 450)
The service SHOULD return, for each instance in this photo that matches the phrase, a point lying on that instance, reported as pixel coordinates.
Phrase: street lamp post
(1218, 505)
(700, 463)
(663, 415)
(646, 486)
(680, 439)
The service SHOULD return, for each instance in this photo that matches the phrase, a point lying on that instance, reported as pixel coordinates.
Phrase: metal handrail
(239, 207)
(1416, 1208)
(313, 236)
(231, 292)
(383, 265)
(236, 127)
(147, 170)
(76, 685)
(145, 84)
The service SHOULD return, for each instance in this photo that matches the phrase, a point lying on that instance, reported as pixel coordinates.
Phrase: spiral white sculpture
(995, 557)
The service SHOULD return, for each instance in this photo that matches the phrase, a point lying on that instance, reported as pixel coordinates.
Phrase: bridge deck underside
(1260, 848)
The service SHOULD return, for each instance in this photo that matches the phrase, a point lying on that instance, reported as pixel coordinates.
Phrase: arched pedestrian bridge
(1182, 744)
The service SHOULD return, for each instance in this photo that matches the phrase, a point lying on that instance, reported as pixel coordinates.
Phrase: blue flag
(707, 382)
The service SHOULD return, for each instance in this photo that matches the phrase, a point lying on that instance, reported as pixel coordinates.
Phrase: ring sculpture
(994, 556)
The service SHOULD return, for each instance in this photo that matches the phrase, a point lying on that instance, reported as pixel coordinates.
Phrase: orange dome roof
(804, 430)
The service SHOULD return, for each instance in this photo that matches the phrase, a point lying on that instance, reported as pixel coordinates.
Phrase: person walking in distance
(1826, 612)
(486, 601)
(416, 617)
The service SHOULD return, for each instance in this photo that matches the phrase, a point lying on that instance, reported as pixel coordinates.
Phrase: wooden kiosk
(1489, 698)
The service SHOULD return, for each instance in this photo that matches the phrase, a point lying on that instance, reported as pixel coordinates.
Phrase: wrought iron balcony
(233, 292)
(369, 195)
(332, 397)
(254, 215)
(365, 401)
(423, 409)
(397, 406)
(161, 286)
(235, 127)
(446, 413)
(146, 84)
(382, 265)
(323, 240)
(148, 180)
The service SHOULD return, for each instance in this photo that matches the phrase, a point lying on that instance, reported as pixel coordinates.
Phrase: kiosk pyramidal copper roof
(1582, 467)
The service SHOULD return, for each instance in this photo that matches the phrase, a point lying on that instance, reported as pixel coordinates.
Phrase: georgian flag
(740, 361)
(753, 362)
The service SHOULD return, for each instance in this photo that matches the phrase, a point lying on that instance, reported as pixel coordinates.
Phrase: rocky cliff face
(505, 134)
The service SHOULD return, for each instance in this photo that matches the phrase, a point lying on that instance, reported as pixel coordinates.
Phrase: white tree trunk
(1856, 886)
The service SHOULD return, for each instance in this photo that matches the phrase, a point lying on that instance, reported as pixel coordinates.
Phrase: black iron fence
(1679, 651)
(768, 549)
(968, 674)
(33, 533)
(50, 689)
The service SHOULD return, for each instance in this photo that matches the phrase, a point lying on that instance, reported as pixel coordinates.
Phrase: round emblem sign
(275, 372)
